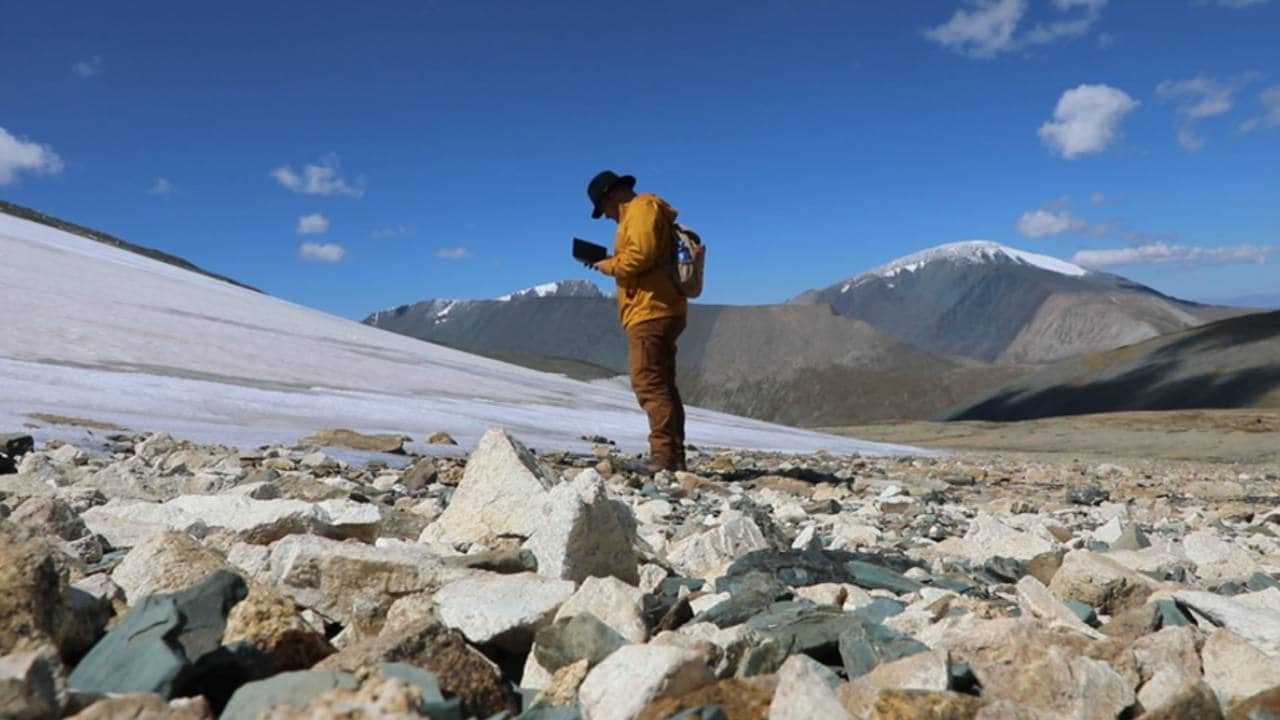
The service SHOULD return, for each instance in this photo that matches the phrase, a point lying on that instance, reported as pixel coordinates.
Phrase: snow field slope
(96, 332)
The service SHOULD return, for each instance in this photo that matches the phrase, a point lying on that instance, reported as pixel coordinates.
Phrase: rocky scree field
(163, 579)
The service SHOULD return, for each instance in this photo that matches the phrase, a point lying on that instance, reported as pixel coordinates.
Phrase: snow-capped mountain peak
(563, 288)
(968, 251)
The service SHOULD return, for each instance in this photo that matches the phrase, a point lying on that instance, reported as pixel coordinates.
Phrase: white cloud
(1188, 138)
(990, 27)
(392, 231)
(322, 252)
(18, 155)
(1271, 118)
(322, 179)
(162, 186)
(88, 68)
(1097, 199)
(313, 224)
(1201, 96)
(982, 32)
(1271, 98)
(1045, 223)
(1161, 252)
(458, 253)
(1085, 119)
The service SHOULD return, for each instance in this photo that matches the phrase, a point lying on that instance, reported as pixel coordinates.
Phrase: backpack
(689, 259)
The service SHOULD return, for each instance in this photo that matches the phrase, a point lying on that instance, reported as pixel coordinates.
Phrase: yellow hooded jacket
(645, 289)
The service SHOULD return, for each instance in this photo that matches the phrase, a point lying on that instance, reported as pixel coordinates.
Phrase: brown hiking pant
(651, 355)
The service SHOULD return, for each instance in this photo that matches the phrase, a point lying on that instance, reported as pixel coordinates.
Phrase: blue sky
(356, 156)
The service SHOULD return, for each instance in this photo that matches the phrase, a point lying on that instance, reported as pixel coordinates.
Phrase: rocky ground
(160, 579)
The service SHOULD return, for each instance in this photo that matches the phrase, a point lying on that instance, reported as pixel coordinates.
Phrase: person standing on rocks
(652, 310)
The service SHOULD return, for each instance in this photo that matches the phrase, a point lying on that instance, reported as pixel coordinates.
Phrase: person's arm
(645, 222)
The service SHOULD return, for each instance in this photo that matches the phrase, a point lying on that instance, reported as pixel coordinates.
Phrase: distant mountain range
(1227, 364)
(789, 363)
(903, 340)
(995, 303)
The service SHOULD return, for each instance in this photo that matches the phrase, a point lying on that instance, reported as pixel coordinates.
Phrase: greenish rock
(752, 582)
(736, 610)
(880, 609)
(1005, 569)
(763, 659)
(864, 645)
(961, 585)
(1084, 611)
(579, 637)
(875, 577)
(289, 688)
(1170, 615)
(812, 630)
(1261, 581)
(670, 587)
(801, 568)
(434, 702)
(158, 645)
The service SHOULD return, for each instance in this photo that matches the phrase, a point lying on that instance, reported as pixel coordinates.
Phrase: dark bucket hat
(603, 184)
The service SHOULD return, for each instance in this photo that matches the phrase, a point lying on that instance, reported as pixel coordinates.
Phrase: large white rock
(705, 554)
(502, 609)
(345, 581)
(1259, 626)
(1234, 668)
(988, 537)
(502, 489)
(342, 518)
(613, 602)
(1099, 581)
(129, 523)
(1218, 560)
(806, 691)
(259, 522)
(583, 533)
(1035, 600)
(165, 563)
(620, 687)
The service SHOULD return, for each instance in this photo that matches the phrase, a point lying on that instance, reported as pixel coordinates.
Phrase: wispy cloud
(162, 186)
(88, 68)
(458, 253)
(1097, 199)
(322, 252)
(313, 224)
(322, 179)
(1046, 223)
(1161, 252)
(18, 155)
(987, 28)
(1271, 117)
(1198, 98)
(393, 231)
(1086, 120)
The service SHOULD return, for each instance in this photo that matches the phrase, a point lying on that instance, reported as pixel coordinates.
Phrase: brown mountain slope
(1233, 363)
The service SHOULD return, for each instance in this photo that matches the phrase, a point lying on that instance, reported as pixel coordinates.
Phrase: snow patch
(99, 333)
(969, 251)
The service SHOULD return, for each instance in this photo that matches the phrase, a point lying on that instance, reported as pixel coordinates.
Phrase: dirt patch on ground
(78, 422)
(1246, 437)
